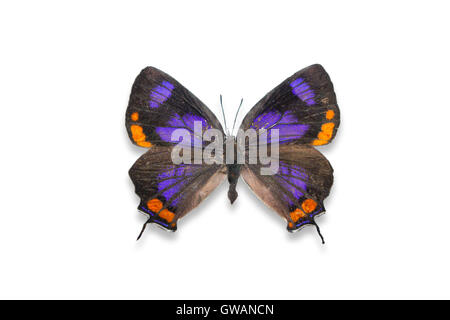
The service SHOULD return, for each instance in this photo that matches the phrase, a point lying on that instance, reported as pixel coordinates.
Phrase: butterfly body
(288, 122)
(233, 171)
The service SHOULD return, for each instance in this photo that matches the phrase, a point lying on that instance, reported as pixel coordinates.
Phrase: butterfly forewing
(303, 108)
(159, 105)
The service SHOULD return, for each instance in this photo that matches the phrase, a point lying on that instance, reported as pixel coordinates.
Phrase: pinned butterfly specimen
(302, 108)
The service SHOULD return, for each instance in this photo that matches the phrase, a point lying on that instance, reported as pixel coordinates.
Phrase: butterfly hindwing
(169, 191)
(297, 190)
(303, 108)
(159, 105)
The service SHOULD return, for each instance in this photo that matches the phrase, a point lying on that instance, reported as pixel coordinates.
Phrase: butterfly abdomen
(234, 171)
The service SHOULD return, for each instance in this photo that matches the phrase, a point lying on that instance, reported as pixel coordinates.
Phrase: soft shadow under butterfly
(303, 108)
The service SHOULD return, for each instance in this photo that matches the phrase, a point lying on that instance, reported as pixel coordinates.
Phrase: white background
(68, 219)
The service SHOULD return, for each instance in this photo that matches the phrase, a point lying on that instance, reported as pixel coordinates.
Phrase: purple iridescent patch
(170, 182)
(286, 123)
(302, 90)
(168, 190)
(293, 180)
(160, 93)
(185, 122)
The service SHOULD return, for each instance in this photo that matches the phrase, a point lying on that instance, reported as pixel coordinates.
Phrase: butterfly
(302, 109)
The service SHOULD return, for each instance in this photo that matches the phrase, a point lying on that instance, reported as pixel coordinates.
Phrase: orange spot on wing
(139, 137)
(309, 205)
(167, 215)
(144, 144)
(154, 205)
(330, 114)
(135, 116)
(328, 127)
(325, 135)
(137, 132)
(319, 142)
(297, 214)
(290, 225)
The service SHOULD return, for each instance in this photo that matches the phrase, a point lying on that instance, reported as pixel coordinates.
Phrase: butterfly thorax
(233, 168)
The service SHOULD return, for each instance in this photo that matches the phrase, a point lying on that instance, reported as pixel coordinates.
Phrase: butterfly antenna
(318, 231)
(224, 119)
(237, 112)
(143, 228)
